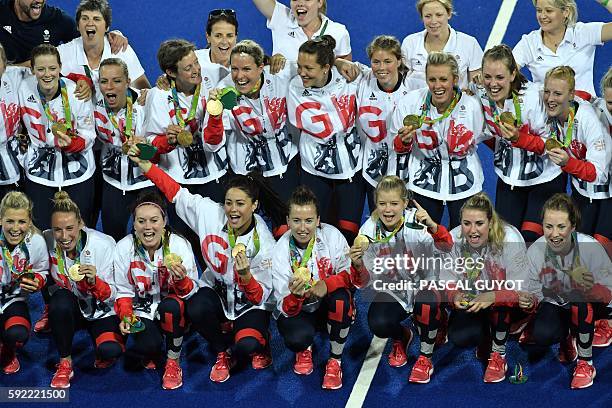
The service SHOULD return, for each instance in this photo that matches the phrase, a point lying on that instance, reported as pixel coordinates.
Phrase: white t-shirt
(463, 47)
(288, 36)
(74, 61)
(212, 72)
(9, 124)
(576, 50)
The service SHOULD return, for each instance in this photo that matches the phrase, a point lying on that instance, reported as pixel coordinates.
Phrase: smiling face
(607, 96)
(189, 72)
(390, 207)
(15, 225)
(306, 12)
(435, 18)
(47, 70)
(149, 225)
(245, 72)
(385, 66)
(312, 73)
(92, 27)
(113, 85)
(239, 208)
(558, 231)
(441, 83)
(222, 39)
(557, 97)
(29, 9)
(66, 228)
(475, 228)
(303, 221)
(549, 17)
(497, 80)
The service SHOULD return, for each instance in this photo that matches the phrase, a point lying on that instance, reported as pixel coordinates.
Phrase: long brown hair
(497, 234)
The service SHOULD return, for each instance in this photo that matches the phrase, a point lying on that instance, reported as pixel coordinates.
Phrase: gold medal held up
(57, 128)
(412, 121)
(184, 138)
(238, 248)
(172, 259)
(75, 273)
(362, 241)
(214, 107)
(303, 273)
(507, 118)
(552, 143)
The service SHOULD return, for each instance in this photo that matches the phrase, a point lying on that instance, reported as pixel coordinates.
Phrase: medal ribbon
(552, 258)
(7, 257)
(231, 234)
(517, 109)
(165, 242)
(126, 133)
(380, 228)
(59, 254)
(296, 260)
(556, 128)
(426, 108)
(177, 108)
(65, 104)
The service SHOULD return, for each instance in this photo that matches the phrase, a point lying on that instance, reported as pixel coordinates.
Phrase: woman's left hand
(89, 271)
(480, 302)
(29, 285)
(177, 271)
(318, 290)
(117, 41)
(242, 265)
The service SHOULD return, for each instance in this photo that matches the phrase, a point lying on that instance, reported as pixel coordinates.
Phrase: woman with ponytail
(155, 274)
(82, 267)
(487, 280)
(235, 245)
(25, 265)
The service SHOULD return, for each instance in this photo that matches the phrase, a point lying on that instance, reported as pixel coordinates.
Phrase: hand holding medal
(174, 264)
(131, 324)
(28, 283)
(220, 99)
(74, 273)
(411, 124)
(88, 272)
(507, 125)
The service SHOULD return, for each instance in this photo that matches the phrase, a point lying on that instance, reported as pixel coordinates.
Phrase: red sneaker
(567, 350)
(332, 380)
(173, 375)
(221, 370)
(442, 336)
(263, 360)
(397, 356)
(603, 334)
(583, 375)
(100, 364)
(303, 362)
(421, 371)
(63, 375)
(42, 324)
(496, 369)
(8, 360)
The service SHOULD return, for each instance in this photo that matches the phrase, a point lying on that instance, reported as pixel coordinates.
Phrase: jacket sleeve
(125, 290)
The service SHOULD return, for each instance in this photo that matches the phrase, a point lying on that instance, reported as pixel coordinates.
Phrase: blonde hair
(390, 183)
(606, 81)
(443, 58)
(16, 200)
(497, 234)
(563, 72)
(323, 9)
(447, 4)
(251, 48)
(390, 44)
(569, 5)
(63, 203)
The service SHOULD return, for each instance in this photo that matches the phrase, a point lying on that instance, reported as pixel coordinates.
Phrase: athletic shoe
(173, 375)
(442, 335)
(496, 369)
(263, 360)
(567, 350)
(221, 370)
(421, 371)
(397, 356)
(100, 363)
(332, 380)
(63, 375)
(583, 375)
(303, 362)
(42, 324)
(603, 334)
(8, 360)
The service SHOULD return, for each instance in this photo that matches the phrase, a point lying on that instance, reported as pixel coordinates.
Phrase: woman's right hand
(297, 286)
(406, 134)
(172, 132)
(215, 94)
(134, 155)
(460, 301)
(356, 254)
(124, 327)
(163, 83)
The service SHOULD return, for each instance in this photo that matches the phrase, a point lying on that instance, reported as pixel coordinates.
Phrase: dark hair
(45, 49)
(256, 187)
(302, 195)
(3, 55)
(391, 45)
(563, 202)
(323, 48)
(171, 52)
(117, 62)
(149, 196)
(217, 15)
(95, 5)
(503, 53)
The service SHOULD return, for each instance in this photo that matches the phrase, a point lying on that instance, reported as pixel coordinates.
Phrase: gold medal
(578, 273)
(303, 273)
(214, 107)
(552, 143)
(125, 148)
(184, 138)
(507, 118)
(75, 274)
(362, 241)
(172, 259)
(412, 121)
(57, 128)
(238, 248)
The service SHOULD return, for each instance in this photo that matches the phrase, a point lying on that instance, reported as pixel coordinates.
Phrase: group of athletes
(266, 164)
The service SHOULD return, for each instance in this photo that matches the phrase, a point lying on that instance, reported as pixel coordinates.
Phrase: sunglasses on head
(221, 12)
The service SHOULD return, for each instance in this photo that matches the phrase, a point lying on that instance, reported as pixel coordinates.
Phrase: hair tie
(153, 204)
